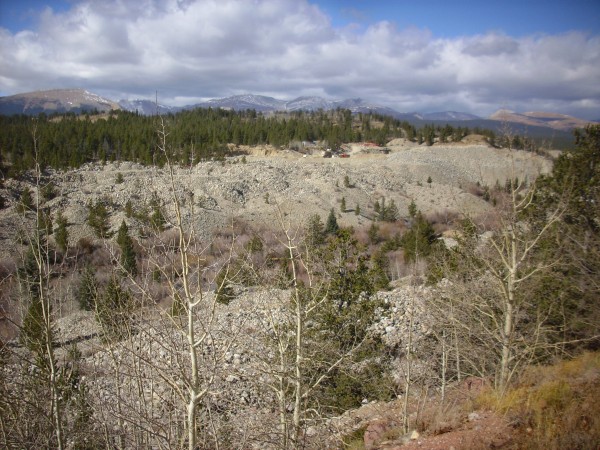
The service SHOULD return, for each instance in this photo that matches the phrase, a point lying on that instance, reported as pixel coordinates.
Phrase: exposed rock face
(301, 186)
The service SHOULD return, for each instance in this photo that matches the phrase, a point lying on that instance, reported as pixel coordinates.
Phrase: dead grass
(554, 407)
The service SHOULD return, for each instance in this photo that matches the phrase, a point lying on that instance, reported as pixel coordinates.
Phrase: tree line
(70, 140)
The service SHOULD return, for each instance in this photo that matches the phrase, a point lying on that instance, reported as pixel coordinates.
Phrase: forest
(71, 140)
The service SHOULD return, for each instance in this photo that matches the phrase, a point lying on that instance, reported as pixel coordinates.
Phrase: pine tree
(157, 218)
(412, 209)
(61, 235)
(331, 227)
(391, 213)
(127, 251)
(373, 233)
(315, 234)
(98, 219)
(87, 289)
(417, 241)
(113, 310)
(343, 204)
(129, 209)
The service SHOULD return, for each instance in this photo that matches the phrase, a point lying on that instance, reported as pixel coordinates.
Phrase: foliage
(417, 241)
(98, 219)
(331, 227)
(61, 234)
(157, 218)
(113, 310)
(412, 209)
(225, 291)
(128, 258)
(315, 231)
(386, 213)
(44, 222)
(347, 182)
(48, 191)
(69, 140)
(574, 182)
(254, 245)
(342, 325)
(86, 292)
(25, 203)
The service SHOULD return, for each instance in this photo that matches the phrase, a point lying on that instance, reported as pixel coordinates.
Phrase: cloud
(287, 48)
(491, 45)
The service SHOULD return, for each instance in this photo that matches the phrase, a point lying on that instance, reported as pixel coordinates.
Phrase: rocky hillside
(249, 187)
(135, 382)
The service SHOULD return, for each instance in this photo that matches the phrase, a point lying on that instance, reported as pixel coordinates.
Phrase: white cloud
(287, 48)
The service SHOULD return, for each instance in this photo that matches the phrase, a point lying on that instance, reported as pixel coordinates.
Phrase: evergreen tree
(129, 213)
(25, 202)
(343, 204)
(157, 217)
(331, 227)
(33, 333)
(378, 272)
(315, 234)
(61, 235)
(373, 233)
(357, 210)
(224, 286)
(391, 213)
(44, 222)
(98, 219)
(417, 241)
(48, 191)
(127, 251)
(114, 309)
(87, 289)
(412, 209)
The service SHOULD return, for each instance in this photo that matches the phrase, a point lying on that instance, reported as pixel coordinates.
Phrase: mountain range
(80, 100)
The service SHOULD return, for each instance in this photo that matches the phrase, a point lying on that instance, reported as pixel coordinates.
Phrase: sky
(425, 56)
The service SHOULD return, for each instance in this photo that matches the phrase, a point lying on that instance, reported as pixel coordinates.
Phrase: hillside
(55, 101)
(302, 185)
(555, 121)
(278, 298)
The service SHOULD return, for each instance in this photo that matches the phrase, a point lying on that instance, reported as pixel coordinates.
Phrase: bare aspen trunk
(42, 262)
(298, 387)
(444, 363)
(408, 381)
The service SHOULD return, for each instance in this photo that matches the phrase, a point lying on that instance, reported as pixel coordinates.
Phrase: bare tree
(300, 359)
(490, 275)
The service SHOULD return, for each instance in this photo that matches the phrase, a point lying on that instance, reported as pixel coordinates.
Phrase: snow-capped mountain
(55, 100)
(146, 107)
(80, 100)
(259, 103)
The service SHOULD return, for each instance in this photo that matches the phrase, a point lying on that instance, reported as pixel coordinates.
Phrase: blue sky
(450, 18)
(409, 55)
